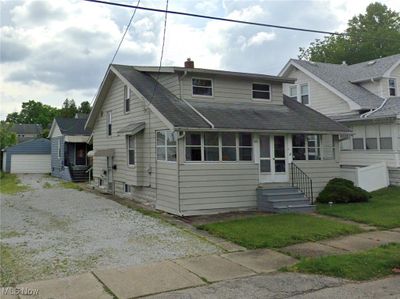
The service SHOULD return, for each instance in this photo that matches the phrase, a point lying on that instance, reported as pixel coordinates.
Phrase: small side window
(109, 123)
(131, 150)
(392, 87)
(127, 188)
(304, 94)
(202, 87)
(127, 98)
(261, 91)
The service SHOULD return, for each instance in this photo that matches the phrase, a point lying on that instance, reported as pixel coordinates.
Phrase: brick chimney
(189, 64)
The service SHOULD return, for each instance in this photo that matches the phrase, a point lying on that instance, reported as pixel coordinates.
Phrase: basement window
(127, 188)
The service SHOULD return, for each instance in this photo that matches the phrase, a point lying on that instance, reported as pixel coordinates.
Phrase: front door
(273, 160)
(80, 153)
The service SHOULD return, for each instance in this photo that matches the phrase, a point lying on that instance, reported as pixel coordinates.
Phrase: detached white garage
(33, 156)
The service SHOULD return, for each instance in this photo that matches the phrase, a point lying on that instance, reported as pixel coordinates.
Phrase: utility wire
(228, 20)
(162, 49)
(120, 42)
(126, 30)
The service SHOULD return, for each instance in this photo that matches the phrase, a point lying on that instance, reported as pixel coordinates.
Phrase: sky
(53, 50)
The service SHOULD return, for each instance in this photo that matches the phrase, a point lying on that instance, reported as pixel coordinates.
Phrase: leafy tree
(33, 112)
(68, 109)
(84, 107)
(7, 137)
(369, 36)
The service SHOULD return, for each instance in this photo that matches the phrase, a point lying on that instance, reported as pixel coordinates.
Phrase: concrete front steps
(283, 199)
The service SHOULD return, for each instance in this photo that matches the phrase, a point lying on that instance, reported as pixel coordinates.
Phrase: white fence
(369, 178)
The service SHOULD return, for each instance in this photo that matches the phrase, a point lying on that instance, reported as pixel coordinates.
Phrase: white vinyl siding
(147, 173)
(321, 99)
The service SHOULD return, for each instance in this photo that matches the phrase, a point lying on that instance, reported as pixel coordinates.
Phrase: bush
(342, 191)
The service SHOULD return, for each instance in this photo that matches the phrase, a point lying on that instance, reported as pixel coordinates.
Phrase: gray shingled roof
(72, 126)
(27, 128)
(339, 77)
(372, 69)
(292, 116)
(175, 110)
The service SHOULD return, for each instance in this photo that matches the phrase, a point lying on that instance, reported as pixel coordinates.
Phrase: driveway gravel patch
(65, 231)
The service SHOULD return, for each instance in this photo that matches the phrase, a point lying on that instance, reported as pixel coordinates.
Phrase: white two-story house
(364, 96)
(195, 141)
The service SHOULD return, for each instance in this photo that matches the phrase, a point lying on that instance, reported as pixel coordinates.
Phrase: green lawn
(10, 184)
(373, 263)
(382, 210)
(275, 231)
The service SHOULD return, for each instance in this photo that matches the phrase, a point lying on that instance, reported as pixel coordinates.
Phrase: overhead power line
(214, 18)
(381, 39)
(126, 30)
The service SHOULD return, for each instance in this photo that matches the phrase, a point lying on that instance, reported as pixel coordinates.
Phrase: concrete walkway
(342, 245)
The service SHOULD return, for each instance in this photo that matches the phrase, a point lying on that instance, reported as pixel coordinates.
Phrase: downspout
(180, 136)
(365, 115)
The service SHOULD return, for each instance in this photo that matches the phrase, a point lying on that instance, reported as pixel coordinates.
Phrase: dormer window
(392, 87)
(300, 92)
(261, 91)
(127, 98)
(202, 87)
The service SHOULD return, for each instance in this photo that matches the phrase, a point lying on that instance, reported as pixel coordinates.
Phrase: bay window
(166, 146)
(218, 147)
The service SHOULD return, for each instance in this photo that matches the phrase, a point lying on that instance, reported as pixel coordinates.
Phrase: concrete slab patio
(261, 260)
(147, 279)
(84, 286)
(214, 268)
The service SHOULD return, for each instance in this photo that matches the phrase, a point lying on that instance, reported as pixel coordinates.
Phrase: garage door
(30, 164)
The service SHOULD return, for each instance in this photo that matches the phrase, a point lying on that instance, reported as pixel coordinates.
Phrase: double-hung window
(131, 149)
(371, 137)
(127, 99)
(358, 138)
(261, 91)
(109, 123)
(385, 137)
(293, 91)
(304, 94)
(392, 87)
(218, 147)
(166, 145)
(194, 147)
(306, 147)
(202, 87)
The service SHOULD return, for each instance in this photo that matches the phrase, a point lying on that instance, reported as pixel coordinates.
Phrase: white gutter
(366, 114)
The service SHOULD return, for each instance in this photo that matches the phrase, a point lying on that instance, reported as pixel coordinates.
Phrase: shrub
(342, 191)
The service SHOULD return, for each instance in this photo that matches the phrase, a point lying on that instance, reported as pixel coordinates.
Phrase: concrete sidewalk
(195, 273)
(346, 244)
(144, 280)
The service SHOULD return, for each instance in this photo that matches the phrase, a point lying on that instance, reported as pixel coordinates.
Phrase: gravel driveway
(57, 232)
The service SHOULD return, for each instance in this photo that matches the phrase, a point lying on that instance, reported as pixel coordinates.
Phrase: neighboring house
(196, 141)
(27, 132)
(69, 148)
(363, 96)
(32, 156)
